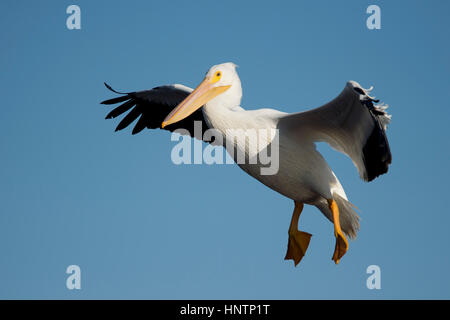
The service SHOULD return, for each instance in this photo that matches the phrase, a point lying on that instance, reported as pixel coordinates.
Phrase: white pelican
(350, 123)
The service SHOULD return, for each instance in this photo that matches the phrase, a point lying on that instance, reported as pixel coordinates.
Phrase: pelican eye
(217, 76)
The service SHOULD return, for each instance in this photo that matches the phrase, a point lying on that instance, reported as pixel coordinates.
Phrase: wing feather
(129, 118)
(351, 124)
(151, 107)
(121, 109)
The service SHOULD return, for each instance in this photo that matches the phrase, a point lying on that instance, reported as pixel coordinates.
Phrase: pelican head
(219, 79)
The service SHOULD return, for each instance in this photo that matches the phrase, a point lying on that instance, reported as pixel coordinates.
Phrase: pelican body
(350, 123)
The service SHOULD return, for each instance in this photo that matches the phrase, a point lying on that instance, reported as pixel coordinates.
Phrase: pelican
(351, 123)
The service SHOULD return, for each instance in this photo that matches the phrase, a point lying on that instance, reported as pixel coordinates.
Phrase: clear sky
(74, 192)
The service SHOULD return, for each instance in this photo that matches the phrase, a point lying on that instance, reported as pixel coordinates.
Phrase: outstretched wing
(151, 107)
(351, 124)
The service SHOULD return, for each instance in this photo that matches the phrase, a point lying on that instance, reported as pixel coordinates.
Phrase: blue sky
(74, 192)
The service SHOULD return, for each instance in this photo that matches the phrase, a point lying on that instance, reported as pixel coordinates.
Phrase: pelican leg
(341, 242)
(298, 240)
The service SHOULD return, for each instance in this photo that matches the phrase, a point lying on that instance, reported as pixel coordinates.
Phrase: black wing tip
(106, 102)
(115, 100)
(125, 96)
(135, 130)
(380, 169)
(377, 152)
(129, 94)
(111, 89)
